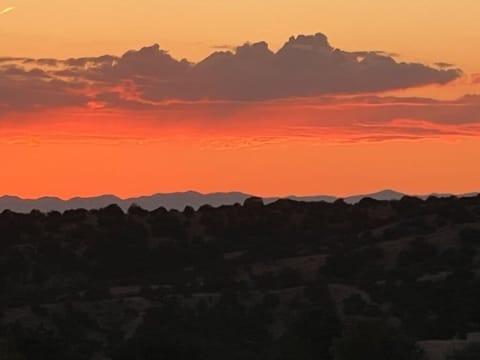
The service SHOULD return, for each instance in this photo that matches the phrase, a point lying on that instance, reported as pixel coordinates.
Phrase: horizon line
(196, 192)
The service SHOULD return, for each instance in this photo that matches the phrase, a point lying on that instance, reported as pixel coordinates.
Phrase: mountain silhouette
(176, 200)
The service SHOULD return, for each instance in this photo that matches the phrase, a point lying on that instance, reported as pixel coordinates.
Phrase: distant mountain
(170, 201)
(178, 200)
(325, 198)
(381, 195)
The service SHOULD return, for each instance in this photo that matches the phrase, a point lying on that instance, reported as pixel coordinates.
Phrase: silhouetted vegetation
(374, 340)
(288, 280)
(471, 352)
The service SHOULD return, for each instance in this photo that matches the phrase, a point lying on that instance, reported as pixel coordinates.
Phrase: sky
(271, 98)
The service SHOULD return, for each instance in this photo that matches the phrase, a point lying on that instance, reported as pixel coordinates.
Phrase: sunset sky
(281, 97)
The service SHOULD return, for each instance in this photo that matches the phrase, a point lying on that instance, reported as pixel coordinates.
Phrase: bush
(470, 236)
(471, 352)
(374, 340)
(9, 351)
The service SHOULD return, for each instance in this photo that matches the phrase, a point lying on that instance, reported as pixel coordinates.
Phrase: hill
(283, 280)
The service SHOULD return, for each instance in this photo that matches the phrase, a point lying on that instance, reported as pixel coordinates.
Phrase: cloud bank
(305, 66)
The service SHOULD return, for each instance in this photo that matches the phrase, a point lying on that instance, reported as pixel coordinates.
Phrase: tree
(471, 352)
(310, 336)
(374, 340)
(9, 351)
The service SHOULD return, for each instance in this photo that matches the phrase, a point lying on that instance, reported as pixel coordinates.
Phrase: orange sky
(107, 154)
(418, 30)
(419, 139)
(129, 169)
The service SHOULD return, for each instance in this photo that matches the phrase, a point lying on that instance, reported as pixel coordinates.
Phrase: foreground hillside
(288, 280)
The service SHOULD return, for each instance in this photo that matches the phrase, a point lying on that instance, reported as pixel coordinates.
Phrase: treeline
(244, 281)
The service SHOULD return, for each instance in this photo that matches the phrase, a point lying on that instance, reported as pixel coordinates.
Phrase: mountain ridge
(179, 200)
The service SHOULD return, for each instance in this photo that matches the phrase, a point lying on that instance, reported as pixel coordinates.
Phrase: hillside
(284, 280)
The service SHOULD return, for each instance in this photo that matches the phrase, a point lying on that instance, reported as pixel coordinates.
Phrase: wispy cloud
(7, 10)
(223, 124)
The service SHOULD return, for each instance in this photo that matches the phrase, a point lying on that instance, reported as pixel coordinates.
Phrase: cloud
(334, 119)
(306, 89)
(305, 66)
(29, 89)
(444, 65)
(6, 10)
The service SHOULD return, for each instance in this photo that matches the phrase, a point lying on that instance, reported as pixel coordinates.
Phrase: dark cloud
(22, 89)
(376, 52)
(305, 66)
(444, 65)
(39, 95)
(43, 62)
(8, 59)
(19, 72)
(93, 61)
(463, 111)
